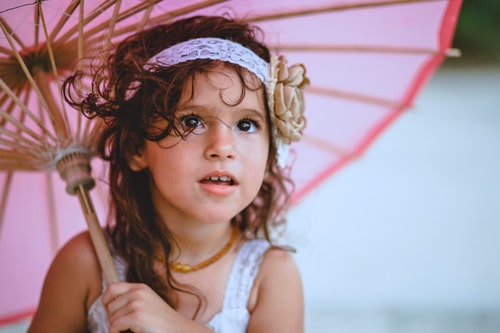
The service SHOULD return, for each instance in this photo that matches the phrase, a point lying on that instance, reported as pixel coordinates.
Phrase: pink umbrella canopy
(366, 59)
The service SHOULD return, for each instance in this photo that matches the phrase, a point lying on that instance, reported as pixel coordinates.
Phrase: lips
(219, 184)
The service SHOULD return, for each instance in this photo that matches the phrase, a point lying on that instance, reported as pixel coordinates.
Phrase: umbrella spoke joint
(74, 168)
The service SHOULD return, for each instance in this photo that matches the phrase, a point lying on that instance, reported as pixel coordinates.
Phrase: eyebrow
(260, 113)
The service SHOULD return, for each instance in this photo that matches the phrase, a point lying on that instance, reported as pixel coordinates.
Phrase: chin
(217, 216)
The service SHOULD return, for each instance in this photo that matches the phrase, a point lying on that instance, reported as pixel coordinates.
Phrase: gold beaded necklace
(186, 268)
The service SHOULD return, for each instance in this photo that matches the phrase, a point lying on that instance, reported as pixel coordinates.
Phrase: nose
(220, 142)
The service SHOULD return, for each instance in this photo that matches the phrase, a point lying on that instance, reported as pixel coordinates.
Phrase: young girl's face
(216, 170)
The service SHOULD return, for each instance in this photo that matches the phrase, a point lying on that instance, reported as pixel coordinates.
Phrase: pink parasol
(367, 60)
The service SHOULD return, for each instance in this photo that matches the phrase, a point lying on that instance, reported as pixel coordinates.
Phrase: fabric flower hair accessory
(285, 96)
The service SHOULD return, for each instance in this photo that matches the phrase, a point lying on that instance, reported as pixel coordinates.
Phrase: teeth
(222, 178)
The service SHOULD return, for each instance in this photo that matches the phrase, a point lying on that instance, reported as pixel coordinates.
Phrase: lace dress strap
(243, 273)
(234, 316)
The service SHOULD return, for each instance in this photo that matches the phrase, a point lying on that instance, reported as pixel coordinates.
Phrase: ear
(137, 162)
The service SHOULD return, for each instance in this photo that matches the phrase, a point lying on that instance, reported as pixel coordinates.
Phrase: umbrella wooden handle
(97, 236)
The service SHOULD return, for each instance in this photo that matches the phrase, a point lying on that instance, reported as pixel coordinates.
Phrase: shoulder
(277, 264)
(278, 267)
(278, 301)
(78, 248)
(77, 258)
(278, 261)
(71, 284)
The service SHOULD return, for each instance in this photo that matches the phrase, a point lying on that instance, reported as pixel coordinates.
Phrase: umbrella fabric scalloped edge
(17, 317)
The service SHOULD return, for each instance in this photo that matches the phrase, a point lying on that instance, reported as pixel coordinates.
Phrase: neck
(200, 242)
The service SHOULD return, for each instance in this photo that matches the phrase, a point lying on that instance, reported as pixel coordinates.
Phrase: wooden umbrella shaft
(97, 236)
(74, 168)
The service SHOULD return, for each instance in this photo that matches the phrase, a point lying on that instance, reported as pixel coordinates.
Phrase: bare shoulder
(72, 281)
(278, 266)
(278, 295)
(78, 251)
(77, 260)
(281, 260)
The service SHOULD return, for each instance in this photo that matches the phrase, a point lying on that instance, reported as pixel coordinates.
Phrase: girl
(198, 116)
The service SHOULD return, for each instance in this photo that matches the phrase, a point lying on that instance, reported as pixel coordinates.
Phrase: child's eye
(247, 125)
(191, 121)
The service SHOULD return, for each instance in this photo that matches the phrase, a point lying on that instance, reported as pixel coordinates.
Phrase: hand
(136, 307)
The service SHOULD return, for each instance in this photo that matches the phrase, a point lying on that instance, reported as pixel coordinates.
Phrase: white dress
(234, 315)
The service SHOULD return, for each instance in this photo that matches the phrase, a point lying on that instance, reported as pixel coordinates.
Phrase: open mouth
(222, 180)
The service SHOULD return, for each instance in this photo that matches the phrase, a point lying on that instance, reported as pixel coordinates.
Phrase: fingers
(137, 308)
(115, 290)
(124, 303)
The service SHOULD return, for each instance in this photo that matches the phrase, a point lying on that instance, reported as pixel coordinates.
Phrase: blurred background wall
(407, 238)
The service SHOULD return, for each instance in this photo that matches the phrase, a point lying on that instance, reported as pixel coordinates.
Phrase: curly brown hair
(131, 100)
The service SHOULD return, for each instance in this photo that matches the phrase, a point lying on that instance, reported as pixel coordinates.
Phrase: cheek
(162, 163)
(256, 163)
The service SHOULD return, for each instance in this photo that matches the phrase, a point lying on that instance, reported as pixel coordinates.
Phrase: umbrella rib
(185, 10)
(7, 30)
(60, 119)
(328, 146)
(156, 19)
(26, 111)
(112, 23)
(37, 27)
(13, 156)
(45, 139)
(452, 52)
(88, 128)
(145, 18)
(64, 18)
(22, 158)
(3, 100)
(54, 232)
(3, 201)
(12, 164)
(331, 8)
(5, 51)
(19, 126)
(81, 16)
(16, 136)
(42, 96)
(39, 148)
(100, 9)
(70, 9)
(94, 131)
(355, 97)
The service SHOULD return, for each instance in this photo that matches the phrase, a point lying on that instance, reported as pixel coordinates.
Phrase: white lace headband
(283, 84)
(214, 49)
